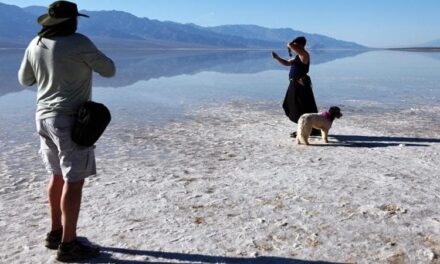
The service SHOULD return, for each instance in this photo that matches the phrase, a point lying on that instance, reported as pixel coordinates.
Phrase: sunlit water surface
(153, 88)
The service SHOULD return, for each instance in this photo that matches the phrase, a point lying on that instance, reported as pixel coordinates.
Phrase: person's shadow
(154, 257)
(378, 141)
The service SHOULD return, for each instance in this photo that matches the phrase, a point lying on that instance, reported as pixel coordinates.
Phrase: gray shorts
(60, 154)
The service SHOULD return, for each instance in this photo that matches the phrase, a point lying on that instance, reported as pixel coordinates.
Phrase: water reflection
(135, 66)
(143, 65)
(170, 77)
(156, 87)
(10, 63)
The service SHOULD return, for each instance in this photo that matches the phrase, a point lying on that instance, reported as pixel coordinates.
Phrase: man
(299, 98)
(61, 63)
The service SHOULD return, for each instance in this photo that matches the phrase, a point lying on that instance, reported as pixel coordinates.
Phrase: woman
(299, 97)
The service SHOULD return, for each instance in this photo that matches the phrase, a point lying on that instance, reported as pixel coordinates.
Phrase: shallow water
(154, 87)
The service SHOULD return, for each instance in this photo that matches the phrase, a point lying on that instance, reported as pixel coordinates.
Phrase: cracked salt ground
(229, 184)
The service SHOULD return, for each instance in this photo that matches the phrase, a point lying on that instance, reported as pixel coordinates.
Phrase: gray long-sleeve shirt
(62, 67)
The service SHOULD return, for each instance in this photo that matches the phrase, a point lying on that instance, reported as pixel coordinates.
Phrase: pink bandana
(326, 115)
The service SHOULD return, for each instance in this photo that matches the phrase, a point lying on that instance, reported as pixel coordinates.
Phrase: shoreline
(417, 49)
(226, 49)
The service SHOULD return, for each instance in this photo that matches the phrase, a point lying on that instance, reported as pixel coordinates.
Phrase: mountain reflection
(143, 65)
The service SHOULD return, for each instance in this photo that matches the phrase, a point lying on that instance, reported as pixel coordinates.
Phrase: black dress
(299, 97)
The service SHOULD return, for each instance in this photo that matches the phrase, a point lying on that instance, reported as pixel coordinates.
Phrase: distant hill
(36, 10)
(121, 29)
(283, 35)
(431, 46)
(432, 43)
(16, 25)
(122, 25)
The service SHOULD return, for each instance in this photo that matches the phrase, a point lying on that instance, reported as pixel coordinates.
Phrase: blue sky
(375, 23)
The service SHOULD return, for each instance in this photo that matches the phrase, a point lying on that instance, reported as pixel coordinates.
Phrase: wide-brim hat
(59, 12)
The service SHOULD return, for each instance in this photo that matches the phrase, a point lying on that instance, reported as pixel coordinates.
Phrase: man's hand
(275, 55)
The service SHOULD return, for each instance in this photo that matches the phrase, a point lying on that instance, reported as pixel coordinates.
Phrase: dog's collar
(326, 115)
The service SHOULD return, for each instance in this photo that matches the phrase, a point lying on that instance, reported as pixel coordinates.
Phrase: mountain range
(122, 29)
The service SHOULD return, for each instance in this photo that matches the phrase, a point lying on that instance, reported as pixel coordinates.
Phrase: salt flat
(228, 185)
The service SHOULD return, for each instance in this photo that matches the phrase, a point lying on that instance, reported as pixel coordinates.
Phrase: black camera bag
(91, 120)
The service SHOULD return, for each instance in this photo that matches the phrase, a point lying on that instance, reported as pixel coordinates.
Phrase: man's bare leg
(70, 206)
(54, 192)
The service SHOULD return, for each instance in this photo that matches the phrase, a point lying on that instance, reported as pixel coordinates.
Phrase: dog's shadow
(379, 141)
(157, 257)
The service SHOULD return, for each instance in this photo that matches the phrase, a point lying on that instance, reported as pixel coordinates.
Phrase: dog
(322, 121)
